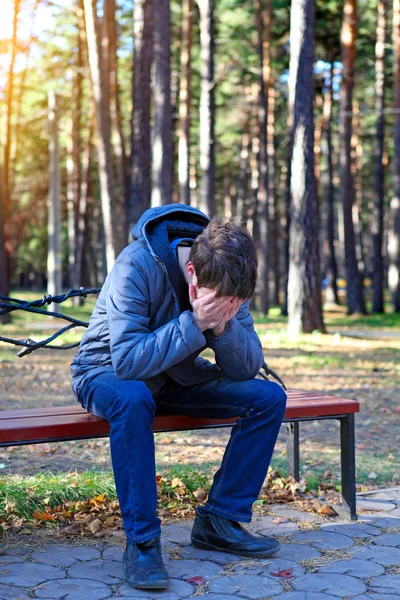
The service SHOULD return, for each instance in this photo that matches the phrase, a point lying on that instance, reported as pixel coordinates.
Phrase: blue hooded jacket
(137, 328)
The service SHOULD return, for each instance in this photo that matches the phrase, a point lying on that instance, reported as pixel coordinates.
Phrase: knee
(271, 397)
(133, 399)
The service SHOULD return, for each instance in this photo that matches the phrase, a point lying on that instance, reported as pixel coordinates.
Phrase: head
(223, 258)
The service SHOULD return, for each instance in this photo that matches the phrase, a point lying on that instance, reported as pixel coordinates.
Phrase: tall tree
(110, 56)
(207, 107)
(162, 133)
(185, 100)
(140, 187)
(355, 297)
(378, 213)
(304, 289)
(332, 272)
(263, 186)
(100, 95)
(8, 139)
(394, 233)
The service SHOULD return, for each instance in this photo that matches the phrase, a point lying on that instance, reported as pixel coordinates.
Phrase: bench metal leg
(292, 450)
(347, 446)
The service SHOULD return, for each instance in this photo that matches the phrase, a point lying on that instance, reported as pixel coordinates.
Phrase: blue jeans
(130, 408)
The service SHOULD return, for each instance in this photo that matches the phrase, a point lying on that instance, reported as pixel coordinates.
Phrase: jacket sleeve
(238, 351)
(136, 351)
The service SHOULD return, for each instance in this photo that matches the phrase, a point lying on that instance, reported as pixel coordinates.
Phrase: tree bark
(140, 187)
(100, 95)
(355, 297)
(207, 108)
(162, 132)
(378, 213)
(304, 290)
(332, 273)
(185, 99)
(263, 185)
(394, 234)
(110, 47)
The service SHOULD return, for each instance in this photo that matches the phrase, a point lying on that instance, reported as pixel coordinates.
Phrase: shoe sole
(205, 546)
(162, 584)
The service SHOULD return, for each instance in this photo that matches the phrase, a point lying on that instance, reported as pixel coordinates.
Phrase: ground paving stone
(297, 552)
(269, 566)
(363, 569)
(356, 530)
(337, 585)
(113, 553)
(192, 568)
(28, 574)
(372, 504)
(383, 555)
(8, 592)
(281, 529)
(176, 533)
(396, 512)
(381, 519)
(324, 540)
(106, 571)
(388, 539)
(8, 558)
(221, 558)
(177, 589)
(304, 596)
(386, 584)
(64, 556)
(246, 586)
(292, 513)
(73, 589)
(376, 597)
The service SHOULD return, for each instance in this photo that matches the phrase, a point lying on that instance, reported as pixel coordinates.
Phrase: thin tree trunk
(207, 108)
(4, 289)
(263, 186)
(394, 235)
(162, 133)
(355, 297)
(185, 99)
(243, 174)
(377, 221)
(8, 143)
(332, 290)
(110, 47)
(304, 293)
(140, 187)
(54, 206)
(100, 95)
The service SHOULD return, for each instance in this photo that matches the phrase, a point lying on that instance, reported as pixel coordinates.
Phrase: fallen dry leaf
(284, 573)
(327, 510)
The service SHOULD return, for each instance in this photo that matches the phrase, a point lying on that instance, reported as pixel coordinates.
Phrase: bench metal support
(347, 446)
(293, 449)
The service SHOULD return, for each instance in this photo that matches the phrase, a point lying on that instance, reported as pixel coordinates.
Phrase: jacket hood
(158, 225)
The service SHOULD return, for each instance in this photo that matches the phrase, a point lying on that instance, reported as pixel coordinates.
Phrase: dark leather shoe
(143, 564)
(212, 532)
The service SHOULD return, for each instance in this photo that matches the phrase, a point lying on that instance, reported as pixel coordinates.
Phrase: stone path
(318, 560)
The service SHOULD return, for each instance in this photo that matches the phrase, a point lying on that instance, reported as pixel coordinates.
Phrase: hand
(208, 309)
(230, 312)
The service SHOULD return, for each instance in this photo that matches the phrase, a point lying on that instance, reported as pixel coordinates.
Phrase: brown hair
(224, 257)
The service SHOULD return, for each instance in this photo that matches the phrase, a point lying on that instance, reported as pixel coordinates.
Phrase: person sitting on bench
(182, 285)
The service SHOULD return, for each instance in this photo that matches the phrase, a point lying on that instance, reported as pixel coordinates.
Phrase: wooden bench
(60, 423)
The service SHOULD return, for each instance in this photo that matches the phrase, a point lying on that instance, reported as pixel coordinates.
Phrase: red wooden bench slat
(73, 421)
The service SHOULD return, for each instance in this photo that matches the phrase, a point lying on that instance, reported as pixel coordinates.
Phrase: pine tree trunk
(140, 187)
(185, 99)
(263, 184)
(355, 297)
(110, 46)
(207, 108)
(162, 133)
(304, 290)
(332, 290)
(8, 230)
(378, 214)
(394, 233)
(242, 187)
(4, 289)
(100, 95)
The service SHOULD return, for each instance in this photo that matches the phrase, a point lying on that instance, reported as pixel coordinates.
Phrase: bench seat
(72, 422)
